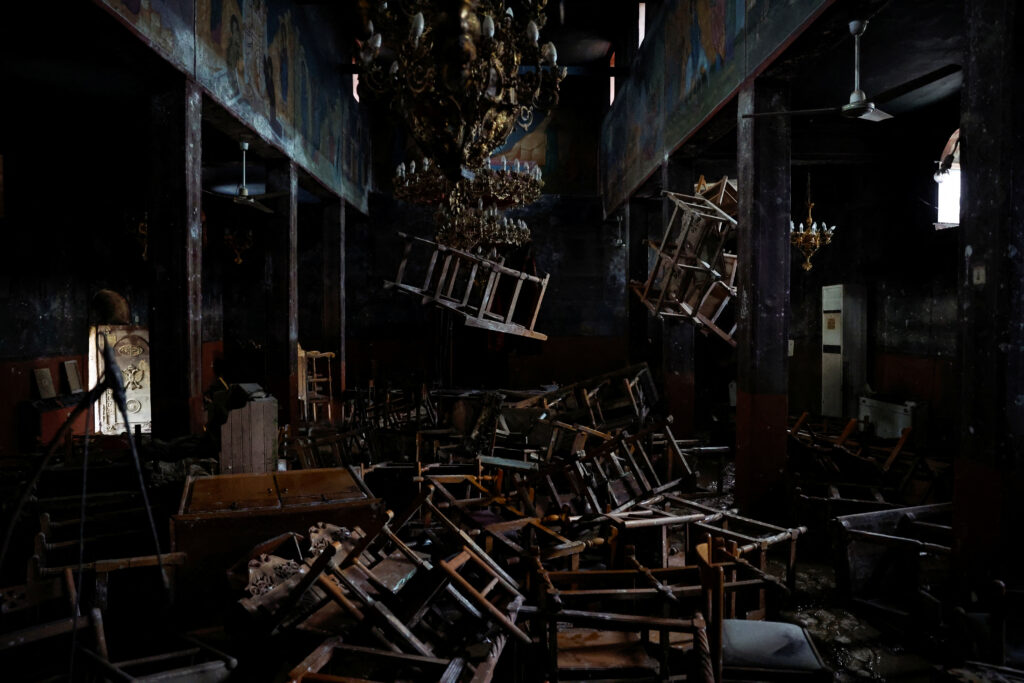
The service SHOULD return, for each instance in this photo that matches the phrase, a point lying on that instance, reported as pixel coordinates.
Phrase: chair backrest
(712, 579)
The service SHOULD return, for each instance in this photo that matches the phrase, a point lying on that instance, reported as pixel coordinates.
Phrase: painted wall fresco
(165, 24)
(563, 142)
(696, 59)
(557, 144)
(275, 66)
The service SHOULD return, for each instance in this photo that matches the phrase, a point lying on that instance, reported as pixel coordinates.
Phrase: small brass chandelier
(809, 237)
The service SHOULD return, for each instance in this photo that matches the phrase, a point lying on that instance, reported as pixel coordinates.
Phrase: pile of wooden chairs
(545, 559)
(840, 469)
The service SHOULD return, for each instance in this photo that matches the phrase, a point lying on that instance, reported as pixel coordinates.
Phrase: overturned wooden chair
(744, 649)
(642, 627)
(691, 278)
(450, 282)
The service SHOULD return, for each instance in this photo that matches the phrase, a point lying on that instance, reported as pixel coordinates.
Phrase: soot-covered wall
(73, 137)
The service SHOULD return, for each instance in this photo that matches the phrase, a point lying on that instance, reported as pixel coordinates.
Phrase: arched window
(948, 178)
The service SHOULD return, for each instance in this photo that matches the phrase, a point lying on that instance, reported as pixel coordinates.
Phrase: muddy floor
(852, 647)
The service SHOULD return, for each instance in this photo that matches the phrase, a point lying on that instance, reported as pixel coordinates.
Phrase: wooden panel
(249, 438)
(234, 492)
(243, 420)
(269, 423)
(300, 487)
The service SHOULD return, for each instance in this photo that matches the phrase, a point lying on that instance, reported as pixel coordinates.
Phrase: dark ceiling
(585, 31)
(905, 40)
(906, 45)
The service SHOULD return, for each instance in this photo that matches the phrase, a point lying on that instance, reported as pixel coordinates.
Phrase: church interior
(512, 340)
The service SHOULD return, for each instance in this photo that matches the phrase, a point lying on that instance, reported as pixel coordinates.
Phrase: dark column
(677, 337)
(342, 300)
(283, 316)
(642, 221)
(636, 313)
(988, 492)
(176, 251)
(334, 286)
(763, 291)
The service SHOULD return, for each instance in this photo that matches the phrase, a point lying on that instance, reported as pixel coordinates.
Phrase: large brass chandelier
(462, 74)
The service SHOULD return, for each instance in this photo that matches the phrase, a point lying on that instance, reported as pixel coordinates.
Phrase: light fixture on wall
(618, 242)
(808, 237)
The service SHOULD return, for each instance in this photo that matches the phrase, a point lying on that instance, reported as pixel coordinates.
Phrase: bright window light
(642, 23)
(611, 81)
(355, 83)
(948, 178)
(949, 197)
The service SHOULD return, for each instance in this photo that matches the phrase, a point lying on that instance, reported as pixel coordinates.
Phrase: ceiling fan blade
(269, 195)
(795, 112)
(875, 115)
(916, 83)
(250, 202)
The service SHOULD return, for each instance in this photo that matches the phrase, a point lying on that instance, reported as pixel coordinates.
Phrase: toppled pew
(818, 502)
(850, 466)
(895, 563)
(864, 542)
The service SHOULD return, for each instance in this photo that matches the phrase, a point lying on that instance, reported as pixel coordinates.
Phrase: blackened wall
(75, 117)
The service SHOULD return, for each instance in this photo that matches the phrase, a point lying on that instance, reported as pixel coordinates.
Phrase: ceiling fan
(859, 106)
(241, 194)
